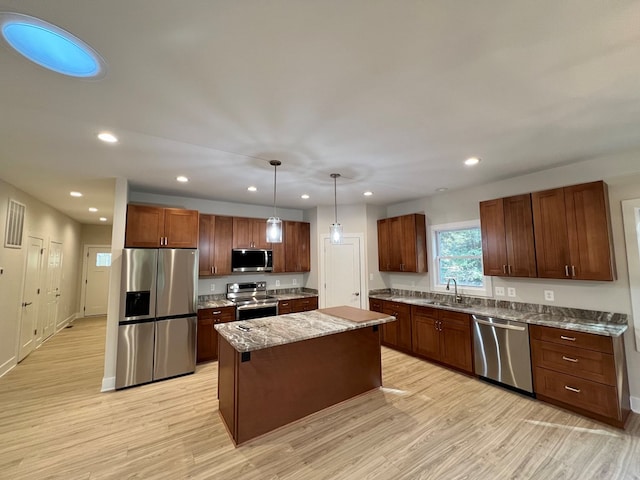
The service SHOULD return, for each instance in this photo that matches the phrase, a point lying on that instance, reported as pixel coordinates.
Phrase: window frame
(484, 291)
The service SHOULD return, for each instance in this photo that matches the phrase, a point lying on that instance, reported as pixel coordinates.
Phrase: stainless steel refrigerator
(158, 317)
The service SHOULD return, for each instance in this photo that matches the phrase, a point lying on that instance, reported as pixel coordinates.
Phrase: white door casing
(95, 282)
(343, 272)
(30, 297)
(631, 220)
(53, 288)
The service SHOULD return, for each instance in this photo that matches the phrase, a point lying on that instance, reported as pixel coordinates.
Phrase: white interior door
(53, 288)
(30, 297)
(96, 284)
(342, 273)
(631, 218)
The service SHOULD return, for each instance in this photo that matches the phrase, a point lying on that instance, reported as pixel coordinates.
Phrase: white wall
(622, 174)
(42, 221)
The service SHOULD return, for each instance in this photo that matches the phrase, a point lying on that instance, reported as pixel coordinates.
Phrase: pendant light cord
(335, 197)
(275, 173)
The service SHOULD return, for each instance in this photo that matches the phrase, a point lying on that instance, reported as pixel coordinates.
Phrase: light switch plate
(500, 291)
(277, 283)
(511, 292)
(295, 281)
(549, 296)
(213, 287)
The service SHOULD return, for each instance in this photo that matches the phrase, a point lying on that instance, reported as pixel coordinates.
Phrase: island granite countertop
(599, 323)
(266, 332)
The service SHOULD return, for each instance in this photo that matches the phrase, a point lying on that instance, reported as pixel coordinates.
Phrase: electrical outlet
(511, 292)
(371, 276)
(213, 287)
(295, 281)
(277, 283)
(500, 291)
(549, 296)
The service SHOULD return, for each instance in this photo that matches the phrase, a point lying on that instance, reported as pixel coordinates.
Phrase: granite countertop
(223, 302)
(569, 319)
(269, 332)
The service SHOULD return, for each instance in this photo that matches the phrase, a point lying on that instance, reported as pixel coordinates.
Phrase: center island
(274, 370)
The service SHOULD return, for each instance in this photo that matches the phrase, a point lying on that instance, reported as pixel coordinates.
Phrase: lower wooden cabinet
(207, 343)
(397, 334)
(582, 372)
(297, 305)
(443, 336)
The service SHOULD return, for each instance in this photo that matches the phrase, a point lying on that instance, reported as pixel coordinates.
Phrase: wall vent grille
(15, 224)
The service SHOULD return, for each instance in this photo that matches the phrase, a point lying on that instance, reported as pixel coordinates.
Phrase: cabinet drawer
(579, 362)
(222, 314)
(455, 318)
(304, 304)
(375, 305)
(561, 336)
(424, 312)
(578, 392)
(396, 309)
(284, 307)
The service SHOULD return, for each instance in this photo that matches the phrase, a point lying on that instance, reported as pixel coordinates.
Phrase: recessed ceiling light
(304, 195)
(103, 219)
(108, 137)
(50, 47)
(252, 189)
(472, 161)
(442, 189)
(75, 194)
(93, 209)
(368, 194)
(182, 179)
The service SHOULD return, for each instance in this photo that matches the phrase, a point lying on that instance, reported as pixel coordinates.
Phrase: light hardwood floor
(427, 422)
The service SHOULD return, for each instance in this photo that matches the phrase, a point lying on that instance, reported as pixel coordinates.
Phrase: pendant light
(274, 224)
(335, 230)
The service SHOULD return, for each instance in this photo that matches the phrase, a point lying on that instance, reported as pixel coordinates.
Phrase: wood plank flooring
(426, 423)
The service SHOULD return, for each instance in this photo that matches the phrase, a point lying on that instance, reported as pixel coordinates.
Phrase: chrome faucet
(457, 298)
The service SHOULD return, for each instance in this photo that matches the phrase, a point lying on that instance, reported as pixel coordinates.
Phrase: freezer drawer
(175, 351)
(134, 364)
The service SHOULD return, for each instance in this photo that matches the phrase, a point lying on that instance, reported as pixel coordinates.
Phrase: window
(103, 259)
(457, 253)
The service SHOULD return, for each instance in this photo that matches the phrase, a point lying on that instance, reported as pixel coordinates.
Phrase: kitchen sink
(452, 305)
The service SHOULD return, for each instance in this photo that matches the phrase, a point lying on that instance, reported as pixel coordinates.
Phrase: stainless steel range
(251, 300)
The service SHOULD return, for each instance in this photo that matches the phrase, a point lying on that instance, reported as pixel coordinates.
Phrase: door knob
(357, 294)
(58, 294)
(25, 304)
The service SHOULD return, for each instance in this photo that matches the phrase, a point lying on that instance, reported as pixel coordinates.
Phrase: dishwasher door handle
(499, 325)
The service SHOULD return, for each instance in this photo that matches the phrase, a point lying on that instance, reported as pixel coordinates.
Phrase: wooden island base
(262, 390)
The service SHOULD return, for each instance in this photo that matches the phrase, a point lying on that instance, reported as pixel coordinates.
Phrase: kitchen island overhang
(287, 367)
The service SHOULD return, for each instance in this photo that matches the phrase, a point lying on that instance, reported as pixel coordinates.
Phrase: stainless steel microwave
(251, 260)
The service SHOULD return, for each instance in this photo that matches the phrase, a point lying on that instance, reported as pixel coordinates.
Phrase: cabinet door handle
(571, 339)
(509, 267)
(216, 313)
(573, 270)
(571, 389)
(504, 269)
(215, 269)
(569, 359)
(285, 304)
(566, 270)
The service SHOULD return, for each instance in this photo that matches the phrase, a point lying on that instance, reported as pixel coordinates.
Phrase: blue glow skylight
(50, 46)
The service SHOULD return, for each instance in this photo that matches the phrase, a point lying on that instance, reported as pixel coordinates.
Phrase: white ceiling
(392, 94)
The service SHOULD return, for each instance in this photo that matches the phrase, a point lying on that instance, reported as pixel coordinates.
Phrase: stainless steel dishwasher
(501, 352)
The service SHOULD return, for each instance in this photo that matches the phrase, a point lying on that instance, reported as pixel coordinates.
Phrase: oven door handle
(253, 307)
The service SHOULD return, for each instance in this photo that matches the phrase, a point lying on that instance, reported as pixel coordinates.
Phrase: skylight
(50, 47)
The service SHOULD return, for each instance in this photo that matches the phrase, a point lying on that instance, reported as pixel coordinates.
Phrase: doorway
(343, 272)
(95, 281)
(631, 220)
(30, 297)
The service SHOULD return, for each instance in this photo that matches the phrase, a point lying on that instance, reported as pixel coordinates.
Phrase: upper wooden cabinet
(216, 238)
(250, 233)
(157, 227)
(402, 244)
(297, 246)
(507, 237)
(573, 232)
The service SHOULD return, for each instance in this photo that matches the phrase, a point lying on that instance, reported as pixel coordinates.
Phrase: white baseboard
(108, 384)
(635, 404)
(66, 322)
(8, 365)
